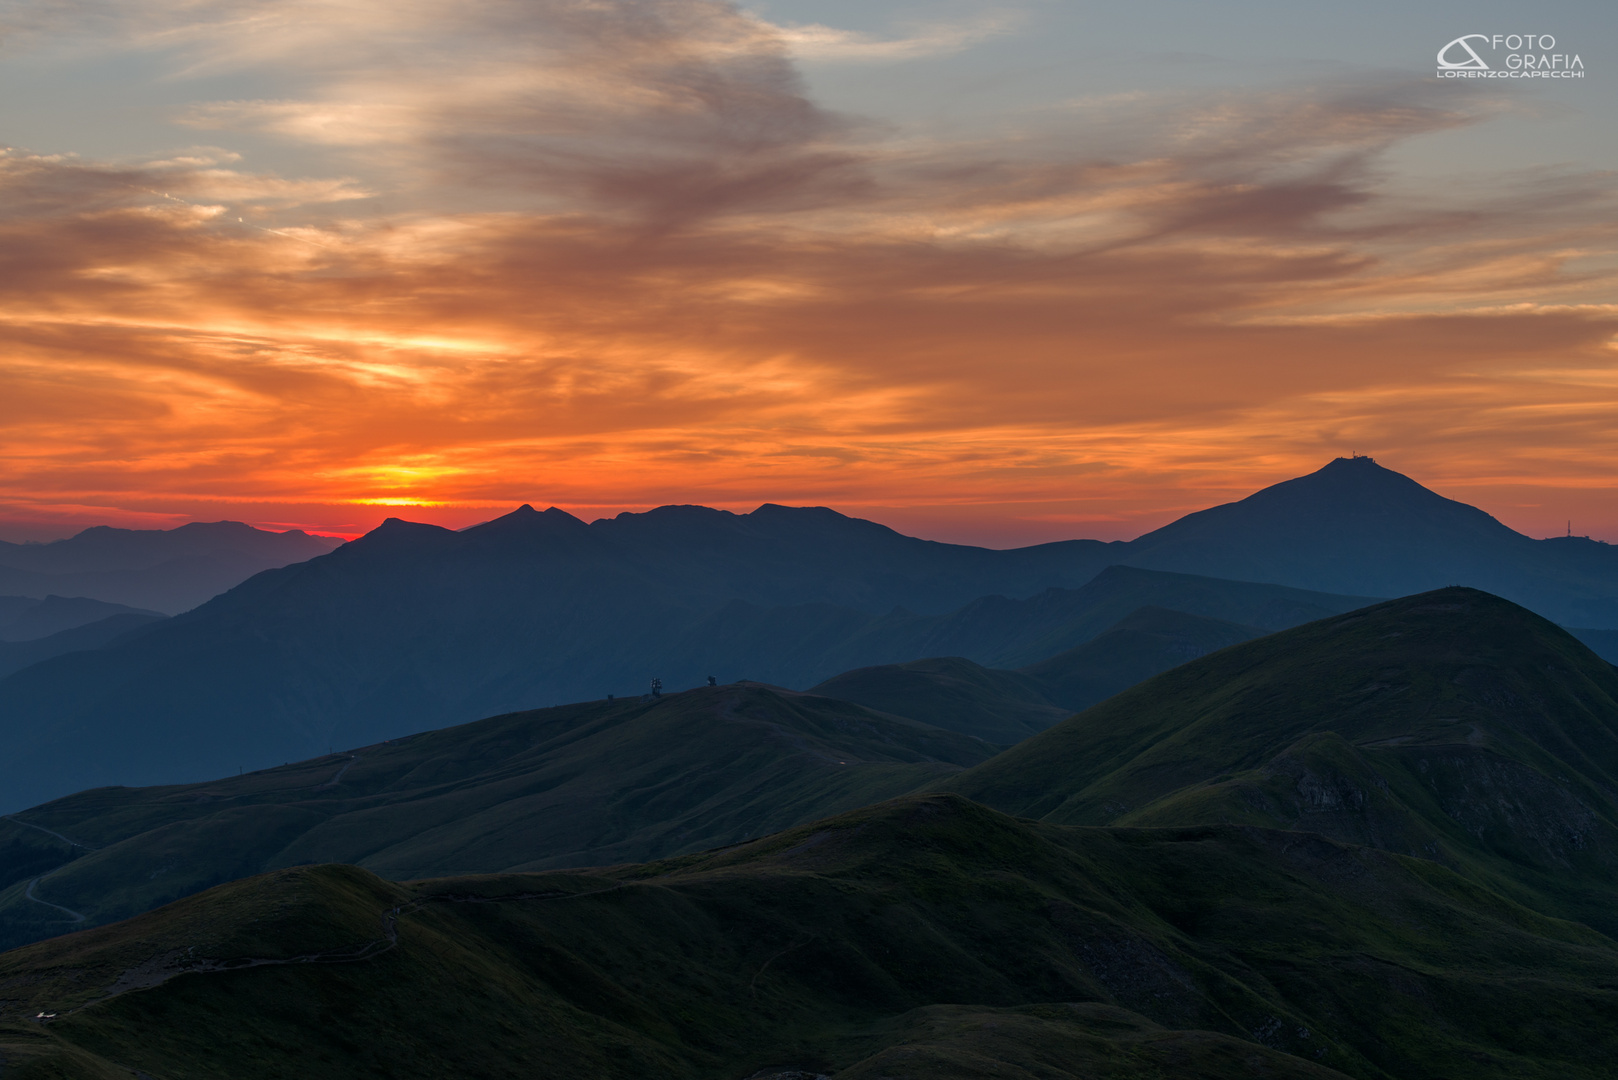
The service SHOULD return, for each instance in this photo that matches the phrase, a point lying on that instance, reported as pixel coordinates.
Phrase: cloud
(817, 42)
(611, 253)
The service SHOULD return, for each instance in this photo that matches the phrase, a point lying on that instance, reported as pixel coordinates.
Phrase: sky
(990, 273)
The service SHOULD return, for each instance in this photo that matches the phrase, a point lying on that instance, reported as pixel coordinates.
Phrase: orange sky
(617, 263)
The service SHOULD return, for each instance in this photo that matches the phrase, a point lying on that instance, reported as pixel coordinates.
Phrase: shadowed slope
(951, 692)
(925, 937)
(1604, 643)
(579, 785)
(1148, 641)
(169, 570)
(1451, 725)
(25, 619)
(16, 655)
(1008, 706)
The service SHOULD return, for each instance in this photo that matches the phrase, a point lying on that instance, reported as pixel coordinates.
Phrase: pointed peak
(524, 520)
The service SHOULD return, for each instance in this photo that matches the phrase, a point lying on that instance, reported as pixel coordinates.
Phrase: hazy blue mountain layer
(16, 655)
(166, 570)
(920, 938)
(23, 618)
(413, 628)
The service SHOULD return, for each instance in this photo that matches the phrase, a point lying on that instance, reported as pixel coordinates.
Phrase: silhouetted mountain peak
(1351, 526)
(396, 535)
(525, 521)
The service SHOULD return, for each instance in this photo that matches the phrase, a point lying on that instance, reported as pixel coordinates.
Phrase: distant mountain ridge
(1008, 706)
(23, 618)
(1356, 527)
(167, 570)
(413, 626)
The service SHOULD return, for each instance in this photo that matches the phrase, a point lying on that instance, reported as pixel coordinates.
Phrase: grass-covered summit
(1451, 725)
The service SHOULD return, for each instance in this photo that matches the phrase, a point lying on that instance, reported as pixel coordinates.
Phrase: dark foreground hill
(580, 785)
(922, 938)
(168, 570)
(1452, 725)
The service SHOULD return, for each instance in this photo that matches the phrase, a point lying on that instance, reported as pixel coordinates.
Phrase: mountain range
(1451, 726)
(413, 627)
(577, 785)
(1032, 818)
(366, 645)
(1381, 844)
(166, 570)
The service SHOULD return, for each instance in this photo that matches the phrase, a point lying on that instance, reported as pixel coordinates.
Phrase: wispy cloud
(817, 42)
(611, 253)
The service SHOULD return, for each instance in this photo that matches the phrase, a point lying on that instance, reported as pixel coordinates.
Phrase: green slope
(1452, 725)
(579, 785)
(1008, 706)
(925, 937)
(1147, 641)
(951, 692)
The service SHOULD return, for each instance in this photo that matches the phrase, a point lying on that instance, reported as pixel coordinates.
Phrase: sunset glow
(607, 256)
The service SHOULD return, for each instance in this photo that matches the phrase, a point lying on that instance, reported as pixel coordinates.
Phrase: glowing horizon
(641, 252)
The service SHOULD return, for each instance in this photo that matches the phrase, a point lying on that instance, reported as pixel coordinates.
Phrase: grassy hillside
(1147, 641)
(925, 937)
(1452, 725)
(1008, 706)
(951, 692)
(581, 785)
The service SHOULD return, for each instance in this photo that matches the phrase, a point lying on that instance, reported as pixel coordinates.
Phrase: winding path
(66, 911)
(43, 829)
(28, 894)
(334, 780)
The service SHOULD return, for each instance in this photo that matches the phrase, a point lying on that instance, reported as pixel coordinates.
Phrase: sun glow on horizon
(602, 269)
